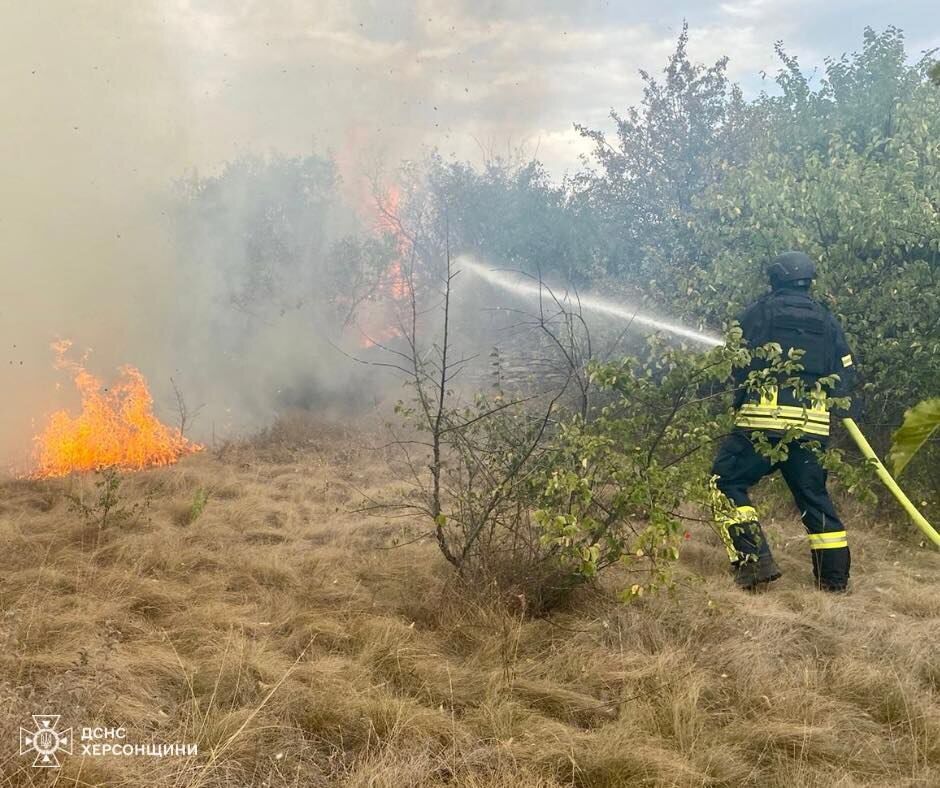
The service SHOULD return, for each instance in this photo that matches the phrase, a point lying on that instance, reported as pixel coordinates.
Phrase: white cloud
(257, 74)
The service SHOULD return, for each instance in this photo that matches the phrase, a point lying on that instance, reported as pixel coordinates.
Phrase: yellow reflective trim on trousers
(745, 514)
(825, 538)
(742, 514)
(769, 399)
(828, 541)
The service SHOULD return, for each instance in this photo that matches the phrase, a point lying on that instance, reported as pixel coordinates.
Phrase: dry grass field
(236, 601)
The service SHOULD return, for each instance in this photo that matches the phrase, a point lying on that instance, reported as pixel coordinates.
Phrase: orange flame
(116, 427)
(392, 287)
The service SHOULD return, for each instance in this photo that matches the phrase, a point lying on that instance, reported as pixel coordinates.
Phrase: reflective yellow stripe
(746, 514)
(819, 404)
(742, 514)
(816, 414)
(763, 423)
(847, 360)
(828, 536)
(814, 421)
(828, 541)
(832, 546)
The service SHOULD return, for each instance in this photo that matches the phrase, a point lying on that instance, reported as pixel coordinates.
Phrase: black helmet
(791, 268)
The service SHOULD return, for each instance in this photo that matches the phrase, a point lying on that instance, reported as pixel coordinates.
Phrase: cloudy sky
(105, 103)
(462, 74)
(182, 83)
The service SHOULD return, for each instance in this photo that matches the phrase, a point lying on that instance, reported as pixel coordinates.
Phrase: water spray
(527, 289)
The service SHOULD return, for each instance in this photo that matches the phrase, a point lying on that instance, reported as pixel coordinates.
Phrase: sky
(475, 76)
(189, 83)
(106, 103)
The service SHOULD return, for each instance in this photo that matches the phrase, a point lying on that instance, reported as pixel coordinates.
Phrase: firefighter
(789, 316)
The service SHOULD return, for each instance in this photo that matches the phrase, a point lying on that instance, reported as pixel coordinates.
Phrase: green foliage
(690, 127)
(615, 484)
(698, 188)
(856, 479)
(920, 422)
(849, 173)
(198, 505)
(864, 205)
(106, 506)
(618, 486)
(511, 214)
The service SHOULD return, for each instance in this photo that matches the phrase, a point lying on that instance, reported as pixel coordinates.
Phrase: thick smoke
(93, 122)
(113, 110)
(100, 241)
(108, 106)
(257, 325)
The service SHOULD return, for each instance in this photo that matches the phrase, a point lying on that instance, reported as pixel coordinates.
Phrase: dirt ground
(236, 601)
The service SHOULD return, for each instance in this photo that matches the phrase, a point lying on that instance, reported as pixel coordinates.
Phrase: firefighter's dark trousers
(739, 466)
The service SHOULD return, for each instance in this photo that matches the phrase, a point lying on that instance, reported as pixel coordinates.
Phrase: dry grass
(269, 627)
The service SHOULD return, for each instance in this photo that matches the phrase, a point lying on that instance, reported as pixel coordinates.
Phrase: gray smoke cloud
(93, 123)
(107, 105)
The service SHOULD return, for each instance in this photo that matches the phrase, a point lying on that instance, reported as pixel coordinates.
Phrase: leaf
(920, 422)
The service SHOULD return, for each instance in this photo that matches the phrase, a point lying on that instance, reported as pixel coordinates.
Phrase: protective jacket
(793, 319)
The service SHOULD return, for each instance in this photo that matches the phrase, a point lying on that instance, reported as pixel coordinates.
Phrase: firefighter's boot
(754, 565)
(750, 574)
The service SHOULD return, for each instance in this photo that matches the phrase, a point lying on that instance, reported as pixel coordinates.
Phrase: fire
(392, 290)
(116, 426)
(377, 317)
(395, 284)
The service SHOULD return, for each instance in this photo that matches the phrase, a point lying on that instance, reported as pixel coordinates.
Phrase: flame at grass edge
(115, 428)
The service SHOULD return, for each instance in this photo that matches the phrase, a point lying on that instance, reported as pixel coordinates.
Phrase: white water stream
(528, 289)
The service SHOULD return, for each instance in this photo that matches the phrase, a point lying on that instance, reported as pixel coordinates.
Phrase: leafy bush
(920, 423)
(535, 501)
(107, 505)
(621, 485)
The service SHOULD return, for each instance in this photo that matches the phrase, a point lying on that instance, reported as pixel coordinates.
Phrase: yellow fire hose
(919, 520)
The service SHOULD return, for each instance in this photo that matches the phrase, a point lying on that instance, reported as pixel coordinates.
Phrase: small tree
(471, 464)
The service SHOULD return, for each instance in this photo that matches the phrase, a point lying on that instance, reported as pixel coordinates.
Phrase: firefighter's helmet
(791, 268)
